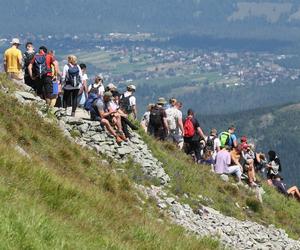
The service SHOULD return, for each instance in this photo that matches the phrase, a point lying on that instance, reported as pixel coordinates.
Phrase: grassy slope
(63, 197)
(195, 180)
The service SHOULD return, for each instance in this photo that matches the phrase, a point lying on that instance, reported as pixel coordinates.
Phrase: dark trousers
(70, 97)
(125, 124)
(193, 146)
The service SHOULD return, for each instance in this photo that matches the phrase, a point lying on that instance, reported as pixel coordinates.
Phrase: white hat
(111, 86)
(131, 87)
(15, 41)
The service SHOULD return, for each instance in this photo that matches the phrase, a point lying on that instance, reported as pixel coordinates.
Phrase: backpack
(125, 103)
(189, 128)
(27, 59)
(156, 118)
(73, 77)
(225, 138)
(90, 101)
(210, 143)
(172, 118)
(40, 65)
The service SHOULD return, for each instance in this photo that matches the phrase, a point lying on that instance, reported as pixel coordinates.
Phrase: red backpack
(189, 129)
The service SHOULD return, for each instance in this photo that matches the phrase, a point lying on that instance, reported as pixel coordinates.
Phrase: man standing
(12, 62)
(128, 102)
(27, 58)
(158, 125)
(175, 124)
(40, 70)
(192, 135)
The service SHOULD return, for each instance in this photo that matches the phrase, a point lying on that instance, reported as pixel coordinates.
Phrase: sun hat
(15, 41)
(161, 101)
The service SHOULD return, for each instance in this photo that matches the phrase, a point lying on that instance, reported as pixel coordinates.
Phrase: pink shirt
(223, 161)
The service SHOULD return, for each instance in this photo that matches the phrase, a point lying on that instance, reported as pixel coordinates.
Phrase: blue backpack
(73, 77)
(90, 101)
(40, 66)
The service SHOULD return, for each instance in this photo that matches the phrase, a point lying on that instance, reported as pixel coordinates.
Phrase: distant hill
(230, 18)
(275, 128)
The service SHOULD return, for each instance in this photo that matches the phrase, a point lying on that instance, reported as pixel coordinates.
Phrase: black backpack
(210, 143)
(156, 118)
(40, 66)
(73, 77)
(125, 103)
(27, 59)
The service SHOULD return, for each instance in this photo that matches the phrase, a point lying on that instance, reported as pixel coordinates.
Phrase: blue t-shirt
(232, 139)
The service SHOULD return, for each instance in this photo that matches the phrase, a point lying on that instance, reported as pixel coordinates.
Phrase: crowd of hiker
(117, 112)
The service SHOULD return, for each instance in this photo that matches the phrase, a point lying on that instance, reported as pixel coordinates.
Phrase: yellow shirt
(12, 56)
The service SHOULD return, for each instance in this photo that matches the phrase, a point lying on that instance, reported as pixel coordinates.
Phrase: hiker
(128, 102)
(158, 125)
(27, 58)
(281, 187)
(83, 91)
(223, 164)
(175, 123)
(248, 157)
(146, 117)
(113, 89)
(228, 138)
(235, 155)
(12, 62)
(97, 87)
(274, 165)
(40, 70)
(213, 143)
(101, 111)
(125, 122)
(192, 135)
(72, 79)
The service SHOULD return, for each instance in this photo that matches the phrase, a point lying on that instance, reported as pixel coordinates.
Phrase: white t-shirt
(132, 99)
(217, 144)
(101, 89)
(173, 115)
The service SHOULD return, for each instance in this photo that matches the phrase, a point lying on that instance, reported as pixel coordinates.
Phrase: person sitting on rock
(223, 164)
(274, 165)
(124, 117)
(248, 157)
(235, 155)
(281, 187)
(103, 112)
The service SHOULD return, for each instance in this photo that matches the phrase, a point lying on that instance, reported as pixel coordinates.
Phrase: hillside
(57, 194)
(275, 128)
(238, 18)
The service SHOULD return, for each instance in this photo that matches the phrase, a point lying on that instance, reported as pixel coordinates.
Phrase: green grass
(65, 197)
(194, 180)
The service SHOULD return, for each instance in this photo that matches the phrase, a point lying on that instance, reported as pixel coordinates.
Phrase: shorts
(44, 87)
(175, 137)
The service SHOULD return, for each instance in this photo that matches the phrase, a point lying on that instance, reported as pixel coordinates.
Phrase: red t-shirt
(49, 61)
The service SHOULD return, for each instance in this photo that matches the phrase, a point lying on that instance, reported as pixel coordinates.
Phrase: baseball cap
(131, 87)
(107, 94)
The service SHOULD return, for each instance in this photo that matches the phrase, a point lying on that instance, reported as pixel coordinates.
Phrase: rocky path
(205, 221)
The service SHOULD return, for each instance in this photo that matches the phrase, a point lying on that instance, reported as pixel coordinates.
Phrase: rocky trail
(205, 221)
